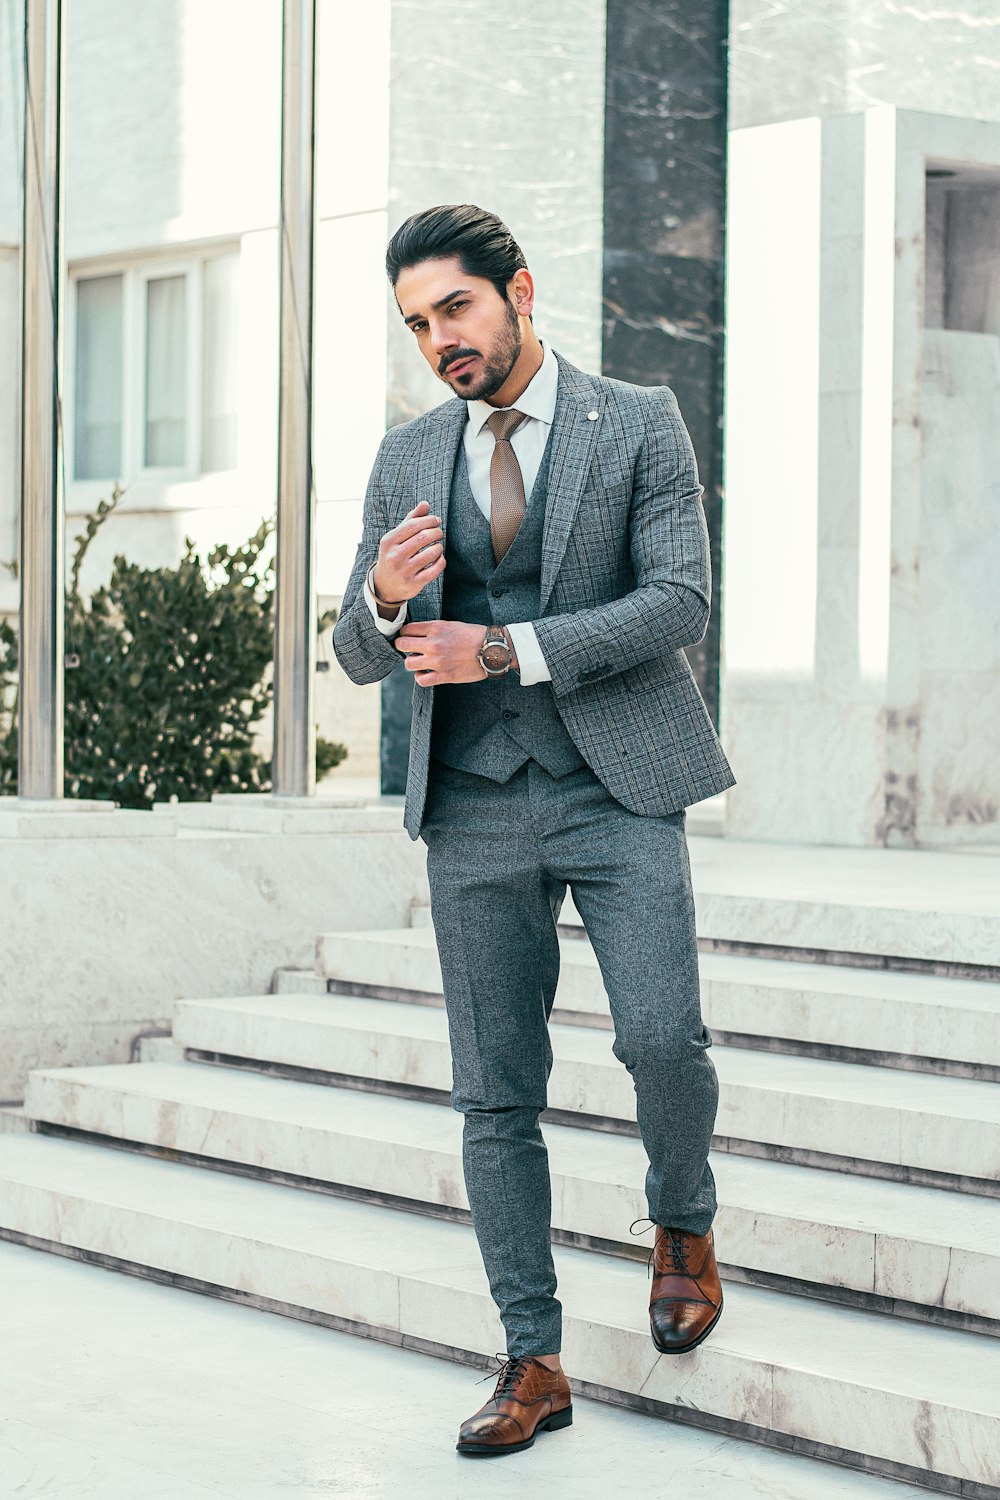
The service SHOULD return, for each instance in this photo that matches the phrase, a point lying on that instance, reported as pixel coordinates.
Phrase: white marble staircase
(296, 1151)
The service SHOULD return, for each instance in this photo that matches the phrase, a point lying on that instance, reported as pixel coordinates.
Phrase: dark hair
(482, 242)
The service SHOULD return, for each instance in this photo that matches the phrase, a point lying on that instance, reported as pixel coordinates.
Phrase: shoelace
(676, 1247)
(508, 1376)
(678, 1252)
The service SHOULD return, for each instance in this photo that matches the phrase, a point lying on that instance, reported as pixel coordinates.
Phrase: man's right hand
(409, 556)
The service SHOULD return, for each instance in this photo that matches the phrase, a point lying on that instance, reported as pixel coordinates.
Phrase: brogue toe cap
(679, 1326)
(491, 1428)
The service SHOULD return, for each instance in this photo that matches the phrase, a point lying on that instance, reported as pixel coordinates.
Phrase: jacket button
(509, 713)
(498, 593)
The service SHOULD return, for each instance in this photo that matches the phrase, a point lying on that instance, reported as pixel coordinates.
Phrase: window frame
(136, 272)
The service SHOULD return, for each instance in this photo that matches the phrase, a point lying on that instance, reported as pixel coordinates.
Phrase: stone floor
(113, 1388)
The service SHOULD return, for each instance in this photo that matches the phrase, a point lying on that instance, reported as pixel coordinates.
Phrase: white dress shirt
(538, 403)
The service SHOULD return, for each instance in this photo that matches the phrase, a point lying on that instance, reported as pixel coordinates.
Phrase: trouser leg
(494, 911)
(631, 882)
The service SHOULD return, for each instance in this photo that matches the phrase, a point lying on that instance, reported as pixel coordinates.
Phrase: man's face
(468, 334)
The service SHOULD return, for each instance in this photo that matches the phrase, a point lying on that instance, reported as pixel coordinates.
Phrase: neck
(526, 367)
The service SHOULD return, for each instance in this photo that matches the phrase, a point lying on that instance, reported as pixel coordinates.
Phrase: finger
(412, 524)
(408, 547)
(432, 570)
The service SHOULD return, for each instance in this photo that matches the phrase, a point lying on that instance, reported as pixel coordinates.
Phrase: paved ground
(112, 1388)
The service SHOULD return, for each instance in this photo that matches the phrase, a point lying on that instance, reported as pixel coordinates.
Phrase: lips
(460, 366)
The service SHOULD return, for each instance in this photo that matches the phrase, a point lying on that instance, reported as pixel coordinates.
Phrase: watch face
(495, 655)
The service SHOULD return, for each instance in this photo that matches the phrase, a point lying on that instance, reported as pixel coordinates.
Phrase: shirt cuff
(390, 627)
(531, 664)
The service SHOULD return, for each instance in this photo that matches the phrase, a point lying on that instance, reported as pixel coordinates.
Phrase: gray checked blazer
(625, 585)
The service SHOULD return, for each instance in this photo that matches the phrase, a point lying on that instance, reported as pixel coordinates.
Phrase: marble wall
(203, 900)
(857, 612)
(958, 760)
(796, 58)
(664, 213)
(859, 682)
(505, 110)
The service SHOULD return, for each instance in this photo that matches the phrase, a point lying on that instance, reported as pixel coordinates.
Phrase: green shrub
(171, 678)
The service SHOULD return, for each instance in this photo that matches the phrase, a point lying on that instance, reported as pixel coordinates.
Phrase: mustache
(446, 362)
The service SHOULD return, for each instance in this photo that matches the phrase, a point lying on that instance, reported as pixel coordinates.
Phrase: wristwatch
(496, 654)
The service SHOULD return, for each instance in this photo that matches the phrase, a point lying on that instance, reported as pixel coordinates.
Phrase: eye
(417, 327)
(456, 305)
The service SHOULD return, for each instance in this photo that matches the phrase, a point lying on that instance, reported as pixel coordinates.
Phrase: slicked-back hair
(482, 242)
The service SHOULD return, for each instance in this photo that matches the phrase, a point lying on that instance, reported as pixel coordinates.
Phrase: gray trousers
(499, 859)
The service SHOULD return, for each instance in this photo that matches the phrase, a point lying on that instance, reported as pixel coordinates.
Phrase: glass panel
(98, 382)
(219, 366)
(166, 372)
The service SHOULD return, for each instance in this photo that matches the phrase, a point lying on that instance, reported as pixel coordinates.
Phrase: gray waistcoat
(494, 726)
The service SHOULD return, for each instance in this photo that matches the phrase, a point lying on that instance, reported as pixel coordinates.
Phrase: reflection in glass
(98, 382)
(219, 365)
(166, 372)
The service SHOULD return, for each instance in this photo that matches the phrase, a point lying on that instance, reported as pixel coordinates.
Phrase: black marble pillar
(664, 222)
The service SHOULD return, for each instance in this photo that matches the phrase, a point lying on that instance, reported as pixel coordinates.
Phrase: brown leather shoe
(529, 1399)
(685, 1302)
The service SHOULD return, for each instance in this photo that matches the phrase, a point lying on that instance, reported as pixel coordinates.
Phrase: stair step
(13, 1120)
(276, 1380)
(934, 906)
(298, 982)
(869, 1117)
(888, 1242)
(155, 1049)
(903, 1399)
(903, 1017)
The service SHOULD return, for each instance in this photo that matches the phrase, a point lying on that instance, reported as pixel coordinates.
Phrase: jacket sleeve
(365, 654)
(671, 562)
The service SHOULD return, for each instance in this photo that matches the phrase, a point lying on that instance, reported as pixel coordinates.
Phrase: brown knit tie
(507, 504)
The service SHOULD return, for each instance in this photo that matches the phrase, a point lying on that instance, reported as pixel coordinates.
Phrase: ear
(521, 291)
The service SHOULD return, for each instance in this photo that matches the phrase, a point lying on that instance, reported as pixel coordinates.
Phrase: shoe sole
(558, 1420)
(686, 1348)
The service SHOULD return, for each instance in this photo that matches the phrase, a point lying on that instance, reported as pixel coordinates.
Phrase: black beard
(498, 367)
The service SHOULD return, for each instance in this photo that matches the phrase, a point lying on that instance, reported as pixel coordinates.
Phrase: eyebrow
(435, 306)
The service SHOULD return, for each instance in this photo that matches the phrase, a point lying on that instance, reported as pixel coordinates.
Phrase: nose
(443, 338)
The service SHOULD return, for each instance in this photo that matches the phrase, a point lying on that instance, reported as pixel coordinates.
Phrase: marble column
(664, 214)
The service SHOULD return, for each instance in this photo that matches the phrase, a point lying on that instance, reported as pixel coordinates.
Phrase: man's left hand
(440, 651)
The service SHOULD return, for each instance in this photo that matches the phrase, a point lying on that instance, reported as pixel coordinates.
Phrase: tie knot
(503, 424)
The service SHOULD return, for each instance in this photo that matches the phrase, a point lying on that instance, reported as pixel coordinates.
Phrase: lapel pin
(591, 416)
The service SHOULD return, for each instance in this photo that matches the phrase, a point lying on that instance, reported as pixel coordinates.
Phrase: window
(99, 377)
(155, 370)
(166, 372)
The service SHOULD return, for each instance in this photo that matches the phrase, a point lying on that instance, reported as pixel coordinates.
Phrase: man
(535, 553)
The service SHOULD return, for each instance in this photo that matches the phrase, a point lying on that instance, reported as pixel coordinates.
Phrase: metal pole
(294, 764)
(41, 551)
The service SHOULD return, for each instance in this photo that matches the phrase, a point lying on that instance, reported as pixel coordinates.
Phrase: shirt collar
(538, 399)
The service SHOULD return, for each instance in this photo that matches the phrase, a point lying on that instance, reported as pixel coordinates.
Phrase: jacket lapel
(574, 440)
(434, 471)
